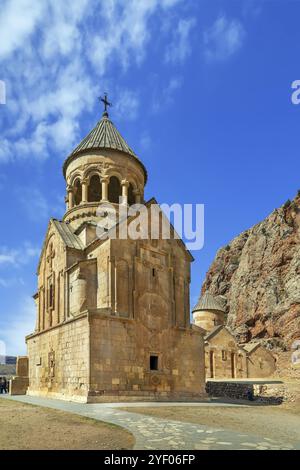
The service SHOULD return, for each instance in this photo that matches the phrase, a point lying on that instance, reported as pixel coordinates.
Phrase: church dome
(103, 168)
(208, 302)
(104, 136)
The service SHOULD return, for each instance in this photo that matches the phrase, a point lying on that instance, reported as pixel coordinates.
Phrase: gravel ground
(25, 426)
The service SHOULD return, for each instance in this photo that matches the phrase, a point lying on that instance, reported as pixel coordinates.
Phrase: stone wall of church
(143, 312)
(121, 366)
(59, 361)
(261, 363)
(82, 287)
(151, 276)
(51, 305)
(102, 254)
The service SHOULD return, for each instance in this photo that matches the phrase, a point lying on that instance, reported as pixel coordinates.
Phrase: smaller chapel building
(225, 358)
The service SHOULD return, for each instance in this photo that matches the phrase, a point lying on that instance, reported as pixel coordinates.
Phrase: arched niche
(131, 196)
(77, 192)
(95, 189)
(122, 291)
(114, 190)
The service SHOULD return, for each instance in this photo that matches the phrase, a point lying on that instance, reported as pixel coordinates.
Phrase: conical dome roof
(103, 136)
(208, 302)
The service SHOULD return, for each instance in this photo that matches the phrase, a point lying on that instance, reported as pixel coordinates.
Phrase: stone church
(113, 315)
(225, 358)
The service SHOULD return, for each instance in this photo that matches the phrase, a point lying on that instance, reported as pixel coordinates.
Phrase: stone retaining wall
(272, 393)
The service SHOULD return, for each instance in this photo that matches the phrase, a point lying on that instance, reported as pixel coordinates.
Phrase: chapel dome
(208, 302)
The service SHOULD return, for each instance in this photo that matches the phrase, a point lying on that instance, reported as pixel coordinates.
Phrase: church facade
(113, 315)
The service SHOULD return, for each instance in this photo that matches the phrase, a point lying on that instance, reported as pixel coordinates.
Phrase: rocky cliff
(258, 276)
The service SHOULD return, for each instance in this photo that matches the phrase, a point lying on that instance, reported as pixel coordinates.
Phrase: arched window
(114, 190)
(131, 197)
(77, 192)
(95, 191)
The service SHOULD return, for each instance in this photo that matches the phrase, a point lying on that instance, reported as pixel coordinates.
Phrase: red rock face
(258, 274)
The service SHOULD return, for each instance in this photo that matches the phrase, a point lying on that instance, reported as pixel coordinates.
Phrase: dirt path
(155, 433)
(281, 423)
(25, 426)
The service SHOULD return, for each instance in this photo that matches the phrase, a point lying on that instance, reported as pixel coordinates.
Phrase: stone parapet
(272, 392)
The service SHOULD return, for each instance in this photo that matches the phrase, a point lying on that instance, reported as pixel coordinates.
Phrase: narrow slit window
(153, 362)
(51, 296)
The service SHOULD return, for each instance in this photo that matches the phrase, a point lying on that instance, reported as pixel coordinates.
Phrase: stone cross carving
(51, 256)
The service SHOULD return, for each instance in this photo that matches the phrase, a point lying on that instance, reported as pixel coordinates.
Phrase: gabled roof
(173, 231)
(85, 223)
(250, 347)
(103, 136)
(68, 237)
(216, 331)
(208, 302)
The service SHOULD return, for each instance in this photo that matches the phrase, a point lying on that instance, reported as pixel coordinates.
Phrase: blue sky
(201, 91)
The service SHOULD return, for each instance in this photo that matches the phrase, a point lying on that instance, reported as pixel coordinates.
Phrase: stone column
(70, 197)
(104, 182)
(37, 299)
(125, 185)
(85, 187)
(138, 197)
(42, 315)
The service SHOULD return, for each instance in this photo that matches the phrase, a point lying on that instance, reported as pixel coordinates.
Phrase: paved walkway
(153, 433)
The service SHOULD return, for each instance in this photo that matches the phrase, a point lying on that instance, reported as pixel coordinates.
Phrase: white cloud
(54, 56)
(252, 8)
(7, 258)
(223, 39)
(63, 33)
(145, 141)
(37, 206)
(5, 151)
(124, 33)
(20, 256)
(11, 282)
(13, 333)
(180, 47)
(165, 97)
(18, 20)
(127, 104)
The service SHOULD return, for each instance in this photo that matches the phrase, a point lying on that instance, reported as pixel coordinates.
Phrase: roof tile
(209, 302)
(104, 136)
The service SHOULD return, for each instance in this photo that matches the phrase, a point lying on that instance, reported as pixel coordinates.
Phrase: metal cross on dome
(105, 101)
